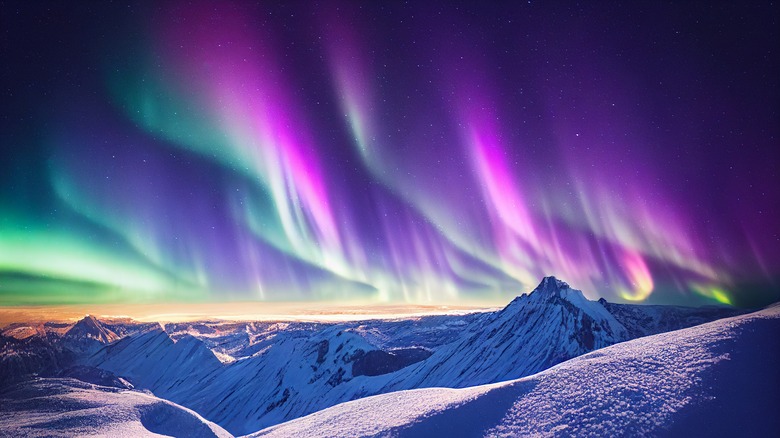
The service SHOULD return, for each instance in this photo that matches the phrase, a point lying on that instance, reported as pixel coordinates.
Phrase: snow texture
(716, 379)
(68, 407)
(246, 376)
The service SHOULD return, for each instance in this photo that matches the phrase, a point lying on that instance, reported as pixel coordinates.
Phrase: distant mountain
(153, 360)
(239, 340)
(534, 332)
(48, 330)
(296, 373)
(717, 379)
(47, 349)
(88, 335)
(296, 369)
(34, 355)
(90, 328)
(644, 320)
(250, 375)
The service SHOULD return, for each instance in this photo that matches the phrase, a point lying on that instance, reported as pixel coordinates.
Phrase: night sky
(389, 152)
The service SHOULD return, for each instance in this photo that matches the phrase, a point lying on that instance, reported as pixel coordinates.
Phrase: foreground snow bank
(714, 379)
(69, 407)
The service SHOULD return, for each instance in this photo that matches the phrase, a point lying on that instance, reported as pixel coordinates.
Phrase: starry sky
(388, 151)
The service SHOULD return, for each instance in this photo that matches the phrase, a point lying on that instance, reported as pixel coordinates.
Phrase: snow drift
(718, 379)
(69, 407)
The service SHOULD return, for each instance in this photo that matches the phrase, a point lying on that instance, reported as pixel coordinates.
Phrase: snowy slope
(238, 340)
(720, 378)
(247, 375)
(32, 355)
(429, 332)
(153, 360)
(90, 328)
(68, 407)
(644, 320)
(300, 370)
(291, 377)
(88, 335)
(294, 369)
(534, 332)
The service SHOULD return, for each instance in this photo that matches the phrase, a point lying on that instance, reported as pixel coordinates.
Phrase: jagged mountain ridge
(155, 361)
(294, 374)
(88, 335)
(50, 349)
(534, 332)
(302, 371)
(645, 320)
(22, 358)
(716, 379)
(290, 370)
(90, 328)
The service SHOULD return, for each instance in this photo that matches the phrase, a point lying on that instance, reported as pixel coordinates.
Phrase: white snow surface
(68, 407)
(552, 324)
(247, 376)
(720, 379)
(291, 379)
(297, 369)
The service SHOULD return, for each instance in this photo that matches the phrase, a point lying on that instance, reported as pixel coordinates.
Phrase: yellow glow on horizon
(233, 311)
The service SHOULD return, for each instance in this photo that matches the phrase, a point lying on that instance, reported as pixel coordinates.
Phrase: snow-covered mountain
(298, 369)
(88, 335)
(552, 324)
(717, 379)
(294, 375)
(644, 320)
(90, 328)
(50, 348)
(152, 360)
(32, 355)
(238, 340)
(249, 375)
(68, 407)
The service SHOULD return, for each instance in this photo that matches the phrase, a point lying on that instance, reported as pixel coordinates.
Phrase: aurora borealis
(388, 152)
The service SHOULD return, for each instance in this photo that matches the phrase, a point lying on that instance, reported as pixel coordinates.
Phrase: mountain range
(248, 376)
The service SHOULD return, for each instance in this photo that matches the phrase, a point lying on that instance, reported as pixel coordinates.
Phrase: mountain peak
(89, 320)
(551, 293)
(550, 286)
(90, 327)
